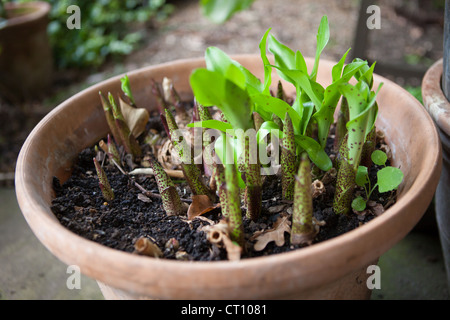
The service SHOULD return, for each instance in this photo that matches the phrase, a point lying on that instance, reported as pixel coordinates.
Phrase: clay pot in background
(26, 61)
(333, 269)
(438, 107)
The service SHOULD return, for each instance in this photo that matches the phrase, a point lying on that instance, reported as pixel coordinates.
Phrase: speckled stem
(345, 182)
(280, 91)
(341, 128)
(368, 148)
(252, 178)
(230, 201)
(288, 160)
(105, 187)
(110, 118)
(156, 91)
(112, 150)
(303, 230)
(127, 139)
(170, 198)
(203, 115)
(191, 172)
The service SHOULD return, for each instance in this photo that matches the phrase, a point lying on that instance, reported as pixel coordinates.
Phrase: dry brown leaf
(276, 234)
(135, 118)
(377, 209)
(144, 198)
(200, 205)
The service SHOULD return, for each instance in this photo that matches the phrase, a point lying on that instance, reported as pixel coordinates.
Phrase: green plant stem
(345, 181)
(191, 172)
(368, 148)
(170, 198)
(341, 128)
(204, 115)
(230, 201)
(288, 160)
(252, 176)
(128, 140)
(110, 119)
(303, 230)
(112, 150)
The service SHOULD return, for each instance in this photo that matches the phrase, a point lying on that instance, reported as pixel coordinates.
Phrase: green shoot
(126, 89)
(388, 179)
(105, 187)
(127, 139)
(191, 171)
(303, 230)
(288, 160)
(170, 198)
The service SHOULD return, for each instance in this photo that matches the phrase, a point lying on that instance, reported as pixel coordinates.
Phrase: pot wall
(79, 122)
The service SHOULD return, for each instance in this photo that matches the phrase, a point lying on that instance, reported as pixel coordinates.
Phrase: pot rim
(29, 207)
(434, 98)
(42, 9)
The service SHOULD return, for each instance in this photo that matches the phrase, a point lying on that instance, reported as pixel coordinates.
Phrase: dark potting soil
(80, 206)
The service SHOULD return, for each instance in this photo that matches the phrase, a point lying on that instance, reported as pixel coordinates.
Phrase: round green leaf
(359, 204)
(379, 157)
(362, 176)
(389, 178)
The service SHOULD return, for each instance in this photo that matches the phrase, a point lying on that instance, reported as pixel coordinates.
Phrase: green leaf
(323, 35)
(208, 86)
(379, 157)
(284, 56)
(278, 107)
(227, 147)
(362, 176)
(212, 124)
(217, 60)
(212, 88)
(267, 67)
(389, 178)
(359, 204)
(126, 87)
(220, 11)
(300, 79)
(266, 128)
(315, 152)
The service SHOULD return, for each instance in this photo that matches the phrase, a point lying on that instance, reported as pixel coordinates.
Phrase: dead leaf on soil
(276, 234)
(135, 118)
(144, 198)
(201, 204)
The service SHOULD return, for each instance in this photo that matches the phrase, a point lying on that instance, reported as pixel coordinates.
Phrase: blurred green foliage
(104, 29)
(416, 92)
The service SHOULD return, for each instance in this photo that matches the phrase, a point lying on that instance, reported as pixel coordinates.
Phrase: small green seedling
(388, 179)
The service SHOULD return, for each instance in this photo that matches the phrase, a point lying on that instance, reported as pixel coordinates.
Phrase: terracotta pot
(438, 107)
(26, 61)
(334, 269)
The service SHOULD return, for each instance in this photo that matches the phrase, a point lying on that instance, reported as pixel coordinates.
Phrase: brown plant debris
(144, 246)
(276, 234)
(219, 235)
(200, 204)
